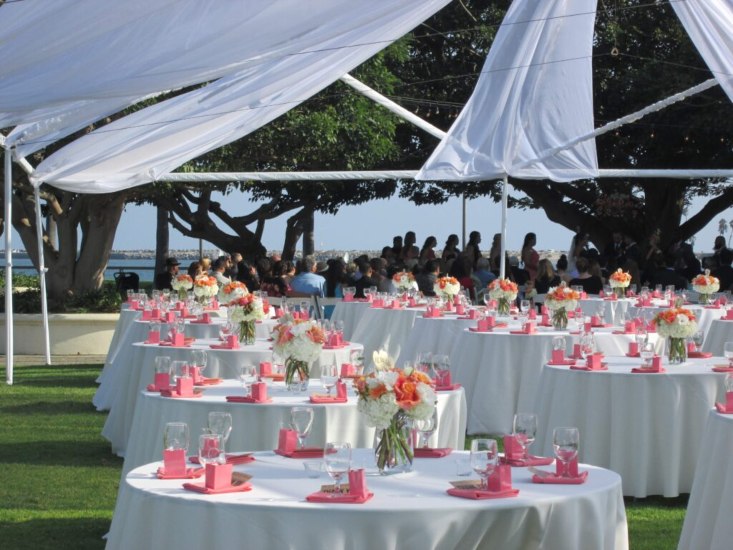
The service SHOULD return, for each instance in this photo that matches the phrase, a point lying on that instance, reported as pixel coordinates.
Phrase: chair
(126, 280)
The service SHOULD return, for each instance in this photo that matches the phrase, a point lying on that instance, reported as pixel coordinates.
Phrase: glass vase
(182, 294)
(676, 350)
(560, 318)
(394, 446)
(703, 298)
(247, 333)
(297, 374)
(502, 306)
(620, 292)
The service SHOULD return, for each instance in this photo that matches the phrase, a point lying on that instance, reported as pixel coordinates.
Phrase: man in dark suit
(163, 280)
(664, 274)
(724, 272)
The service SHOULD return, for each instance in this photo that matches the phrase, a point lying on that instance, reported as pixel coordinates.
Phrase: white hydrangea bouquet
(560, 300)
(391, 399)
(504, 292)
(232, 291)
(676, 324)
(705, 285)
(205, 288)
(182, 284)
(404, 281)
(619, 281)
(447, 287)
(300, 342)
(246, 310)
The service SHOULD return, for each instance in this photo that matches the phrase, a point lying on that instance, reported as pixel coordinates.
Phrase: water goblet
(646, 352)
(199, 359)
(729, 383)
(329, 376)
(524, 306)
(426, 427)
(641, 336)
(565, 442)
(337, 459)
(698, 339)
(163, 364)
(558, 343)
(728, 353)
(179, 369)
(484, 459)
(211, 449)
(175, 436)
(247, 376)
(524, 430)
(220, 423)
(356, 358)
(301, 420)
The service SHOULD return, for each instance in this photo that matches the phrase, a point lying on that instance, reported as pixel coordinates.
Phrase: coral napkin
(428, 452)
(480, 494)
(560, 480)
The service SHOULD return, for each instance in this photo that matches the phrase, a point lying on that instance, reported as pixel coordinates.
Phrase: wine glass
(175, 436)
(728, 353)
(641, 336)
(524, 306)
(337, 458)
(565, 442)
(210, 449)
(558, 343)
(646, 352)
(179, 369)
(356, 358)
(729, 383)
(424, 362)
(329, 376)
(225, 329)
(484, 459)
(426, 427)
(247, 376)
(698, 339)
(220, 423)
(301, 420)
(163, 364)
(199, 359)
(525, 430)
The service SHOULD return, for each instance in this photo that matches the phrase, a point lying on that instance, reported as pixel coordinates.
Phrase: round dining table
(647, 427)
(255, 426)
(349, 313)
(408, 511)
(719, 332)
(385, 329)
(613, 309)
(707, 523)
(137, 369)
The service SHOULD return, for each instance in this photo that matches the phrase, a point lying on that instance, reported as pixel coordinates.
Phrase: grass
(60, 479)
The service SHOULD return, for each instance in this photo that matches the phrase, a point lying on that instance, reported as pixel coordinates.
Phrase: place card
(512, 449)
(287, 441)
(174, 462)
(218, 476)
(500, 479)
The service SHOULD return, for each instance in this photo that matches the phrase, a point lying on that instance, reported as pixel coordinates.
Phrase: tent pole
(8, 267)
(463, 227)
(504, 202)
(42, 273)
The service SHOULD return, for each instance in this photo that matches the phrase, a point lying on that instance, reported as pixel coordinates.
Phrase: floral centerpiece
(205, 288)
(246, 311)
(676, 324)
(300, 342)
(447, 287)
(619, 281)
(232, 291)
(182, 284)
(391, 399)
(705, 285)
(560, 300)
(404, 281)
(504, 292)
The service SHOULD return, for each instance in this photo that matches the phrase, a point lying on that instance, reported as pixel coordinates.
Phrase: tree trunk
(293, 231)
(162, 239)
(309, 244)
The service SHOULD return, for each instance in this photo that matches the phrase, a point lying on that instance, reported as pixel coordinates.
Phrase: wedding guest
(724, 271)
(578, 245)
(592, 284)
(205, 264)
(546, 277)
(388, 255)
(427, 251)
(307, 282)
(483, 274)
(687, 263)
(631, 250)
(163, 280)
(247, 273)
(427, 276)
(651, 249)
(529, 255)
(663, 272)
(472, 249)
(379, 274)
(495, 254)
(272, 280)
(561, 268)
(366, 280)
(195, 270)
(614, 251)
(410, 251)
(217, 271)
(335, 278)
(718, 246)
(233, 266)
(288, 271)
(450, 251)
(462, 270)
(397, 247)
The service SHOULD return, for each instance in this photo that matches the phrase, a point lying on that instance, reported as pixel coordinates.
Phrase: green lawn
(60, 480)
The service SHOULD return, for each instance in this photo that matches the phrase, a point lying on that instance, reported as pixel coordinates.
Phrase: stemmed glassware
(356, 358)
(211, 449)
(163, 364)
(247, 376)
(426, 427)
(329, 377)
(179, 369)
(646, 352)
(641, 337)
(337, 458)
(198, 359)
(220, 423)
(729, 383)
(565, 442)
(728, 353)
(525, 430)
(698, 339)
(176, 436)
(484, 459)
(301, 420)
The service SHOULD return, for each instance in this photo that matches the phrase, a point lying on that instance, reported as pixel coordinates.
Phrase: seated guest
(163, 280)
(247, 273)
(272, 280)
(546, 277)
(724, 271)
(217, 271)
(336, 278)
(562, 268)
(426, 278)
(483, 274)
(195, 270)
(592, 284)
(663, 272)
(307, 282)
(233, 266)
(461, 269)
(367, 278)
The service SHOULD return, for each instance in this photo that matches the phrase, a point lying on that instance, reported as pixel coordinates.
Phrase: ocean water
(144, 267)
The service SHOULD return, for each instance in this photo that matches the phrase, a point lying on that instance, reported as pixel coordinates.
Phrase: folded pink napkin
(522, 332)
(203, 381)
(428, 452)
(202, 488)
(449, 387)
(175, 395)
(322, 398)
(275, 377)
(722, 368)
(637, 354)
(641, 370)
(246, 399)
(531, 460)
(560, 480)
(233, 459)
(699, 354)
(307, 452)
(721, 408)
(191, 473)
(568, 361)
(479, 494)
(343, 498)
(714, 306)
(477, 329)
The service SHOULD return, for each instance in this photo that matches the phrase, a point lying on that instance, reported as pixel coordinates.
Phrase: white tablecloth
(613, 310)
(408, 511)
(386, 329)
(125, 320)
(708, 524)
(434, 335)
(500, 371)
(137, 331)
(703, 315)
(137, 369)
(646, 427)
(350, 314)
(719, 332)
(255, 427)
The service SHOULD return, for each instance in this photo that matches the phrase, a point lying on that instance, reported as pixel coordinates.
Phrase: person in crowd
(687, 265)
(472, 249)
(724, 271)
(518, 275)
(578, 245)
(592, 284)
(217, 271)
(546, 277)
(718, 246)
(247, 273)
(271, 278)
(288, 271)
(483, 274)
(388, 255)
(379, 274)
(462, 269)
(427, 252)
(307, 282)
(650, 249)
(632, 252)
(427, 276)
(530, 257)
(663, 273)
(450, 251)
(614, 251)
(163, 280)
(561, 268)
(336, 278)
(195, 270)
(495, 254)
(410, 251)
(205, 264)
(397, 247)
(233, 268)
(366, 280)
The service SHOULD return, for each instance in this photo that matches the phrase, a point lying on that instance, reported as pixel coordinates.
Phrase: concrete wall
(70, 334)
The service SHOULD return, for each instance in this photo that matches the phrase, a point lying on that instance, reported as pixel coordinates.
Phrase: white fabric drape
(710, 26)
(535, 93)
(103, 56)
(140, 147)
